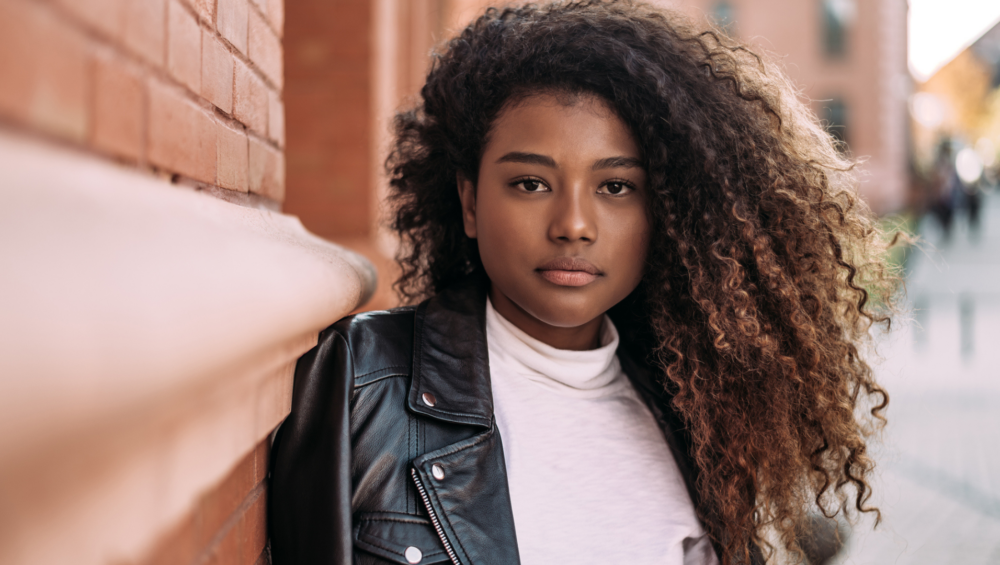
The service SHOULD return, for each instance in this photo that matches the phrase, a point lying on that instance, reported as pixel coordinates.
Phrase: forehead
(560, 124)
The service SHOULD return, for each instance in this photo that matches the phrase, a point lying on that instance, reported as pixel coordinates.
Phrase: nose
(572, 216)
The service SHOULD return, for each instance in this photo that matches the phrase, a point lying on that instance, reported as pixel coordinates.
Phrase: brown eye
(615, 188)
(531, 185)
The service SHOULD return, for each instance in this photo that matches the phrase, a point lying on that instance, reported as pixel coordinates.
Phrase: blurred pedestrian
(946, 190)
(974, 203)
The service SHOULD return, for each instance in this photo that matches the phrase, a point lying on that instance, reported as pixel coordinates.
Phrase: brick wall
(330, 66)
(187, 89)
(350, 65)
(227, 525)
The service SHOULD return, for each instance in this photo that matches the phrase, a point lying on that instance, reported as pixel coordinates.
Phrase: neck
(579, 338)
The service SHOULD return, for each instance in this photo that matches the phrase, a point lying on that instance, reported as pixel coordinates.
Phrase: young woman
(641, 274)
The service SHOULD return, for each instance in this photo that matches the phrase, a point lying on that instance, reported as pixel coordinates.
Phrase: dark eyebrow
(528, 158)
(536, 159)
(617, 163)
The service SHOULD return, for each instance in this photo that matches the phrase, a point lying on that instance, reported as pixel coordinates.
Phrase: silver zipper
(434, 518)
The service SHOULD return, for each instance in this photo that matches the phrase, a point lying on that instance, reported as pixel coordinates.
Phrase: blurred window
(835, 117)
(724, 16)
(838, 15)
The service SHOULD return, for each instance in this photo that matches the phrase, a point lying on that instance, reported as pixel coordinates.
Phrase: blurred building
(961, 103)
(350, 65)
(849, 59)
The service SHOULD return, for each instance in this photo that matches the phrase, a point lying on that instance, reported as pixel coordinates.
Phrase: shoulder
(380, 343)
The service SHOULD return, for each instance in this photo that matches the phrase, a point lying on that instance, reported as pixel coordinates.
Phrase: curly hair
(765, 269)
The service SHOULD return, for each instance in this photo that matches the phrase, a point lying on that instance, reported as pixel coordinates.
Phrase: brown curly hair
(763, 265)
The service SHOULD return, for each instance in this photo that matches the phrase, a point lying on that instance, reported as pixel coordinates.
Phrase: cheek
(500, 227)
(632, 235)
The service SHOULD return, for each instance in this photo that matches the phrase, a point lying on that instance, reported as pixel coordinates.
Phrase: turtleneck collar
(560, 370)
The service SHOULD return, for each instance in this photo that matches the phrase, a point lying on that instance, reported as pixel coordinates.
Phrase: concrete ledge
(147, 339)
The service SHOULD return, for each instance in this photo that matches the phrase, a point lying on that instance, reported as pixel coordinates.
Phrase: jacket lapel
(469, 495)
(451, 363)
(450, 357)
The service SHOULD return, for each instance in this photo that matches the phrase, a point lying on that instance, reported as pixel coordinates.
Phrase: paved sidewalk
(939, 477)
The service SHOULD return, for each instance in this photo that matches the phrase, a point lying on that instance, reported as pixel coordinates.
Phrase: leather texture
(347, 461)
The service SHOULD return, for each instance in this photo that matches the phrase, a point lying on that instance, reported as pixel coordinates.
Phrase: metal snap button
(413, 555)
(428, 399)
(437, 471)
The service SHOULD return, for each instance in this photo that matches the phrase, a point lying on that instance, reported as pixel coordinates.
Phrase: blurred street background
(150, 332)
(939, 465)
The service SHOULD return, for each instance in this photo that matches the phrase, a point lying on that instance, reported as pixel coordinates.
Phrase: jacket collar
(450, 356)
(451, 362)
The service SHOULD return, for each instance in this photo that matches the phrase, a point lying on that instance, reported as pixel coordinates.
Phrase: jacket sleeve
(309, 510)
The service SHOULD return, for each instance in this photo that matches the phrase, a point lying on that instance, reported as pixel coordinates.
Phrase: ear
(467, 194)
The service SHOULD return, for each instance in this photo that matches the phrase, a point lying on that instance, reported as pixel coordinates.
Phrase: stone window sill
(148, 335)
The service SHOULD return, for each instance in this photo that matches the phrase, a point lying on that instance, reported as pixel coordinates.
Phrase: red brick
(105, 16)
(218, 505)
(253, 530)
(276, 13)
(249, 98)
(232, 165)
(232, 22)
(181, 137)
(118, 108)
(205, 9)
(44, 70)
(184, 46)
(227, 552)
(267, 170)
(276, 118)
(216, 72)
(145, 29)
(265, 49)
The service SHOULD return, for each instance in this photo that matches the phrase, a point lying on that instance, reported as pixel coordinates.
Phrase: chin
(563, 312)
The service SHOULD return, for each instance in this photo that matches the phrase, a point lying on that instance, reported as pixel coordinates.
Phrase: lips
(569, 271)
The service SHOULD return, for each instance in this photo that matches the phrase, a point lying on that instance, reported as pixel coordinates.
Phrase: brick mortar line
(190, 7)
(78, 23)
(250, 4)
(234, 51)
(232, 521)
(217, 114)
(235, 197)
(267, 20)
(96, 35)
(248, 199)
(265, 140)
(98, 40)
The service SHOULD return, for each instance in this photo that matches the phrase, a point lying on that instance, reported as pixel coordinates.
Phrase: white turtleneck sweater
(591, 477)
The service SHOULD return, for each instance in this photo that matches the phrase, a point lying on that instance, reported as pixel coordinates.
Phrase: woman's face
(559, 214)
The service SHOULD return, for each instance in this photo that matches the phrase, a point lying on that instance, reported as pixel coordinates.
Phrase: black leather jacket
(391, 442)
